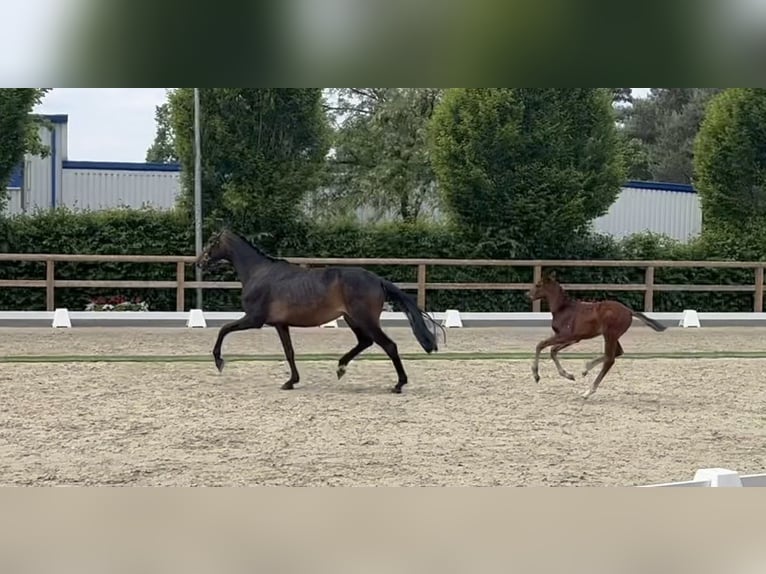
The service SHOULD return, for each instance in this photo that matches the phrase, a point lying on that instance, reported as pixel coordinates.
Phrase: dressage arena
(480, 420)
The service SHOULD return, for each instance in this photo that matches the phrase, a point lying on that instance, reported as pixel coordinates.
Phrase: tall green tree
(730, 159)
(18, 131)
(659, 131)
(381, 157)
(526, 168)
(263, 149)
(163, 149)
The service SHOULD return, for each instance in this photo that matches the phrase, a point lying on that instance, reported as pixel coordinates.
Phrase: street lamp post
(197, 194)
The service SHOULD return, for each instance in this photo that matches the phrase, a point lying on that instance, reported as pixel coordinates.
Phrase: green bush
(730, 158)
(171, 233)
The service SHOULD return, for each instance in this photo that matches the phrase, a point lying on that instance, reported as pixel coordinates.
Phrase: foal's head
(215, 251)
(544, 288)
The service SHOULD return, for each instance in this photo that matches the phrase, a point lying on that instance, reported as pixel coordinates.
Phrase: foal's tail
(649, 321)
(419, 320)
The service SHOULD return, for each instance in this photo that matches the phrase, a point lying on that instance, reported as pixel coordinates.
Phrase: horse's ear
(550, 276)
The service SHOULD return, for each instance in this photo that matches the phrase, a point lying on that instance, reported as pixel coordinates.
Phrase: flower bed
(117, 303)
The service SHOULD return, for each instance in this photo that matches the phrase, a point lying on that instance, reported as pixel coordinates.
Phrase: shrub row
(147, 232)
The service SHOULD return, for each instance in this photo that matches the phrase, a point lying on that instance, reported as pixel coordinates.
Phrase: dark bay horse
(281, 294)
(574, 321)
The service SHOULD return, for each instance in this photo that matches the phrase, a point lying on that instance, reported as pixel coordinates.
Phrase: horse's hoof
(397, 390)
(569, 376)
(586, 394)
(219, 364)
(340, 372)
(288, 386)
(537, 377)
(585, 373)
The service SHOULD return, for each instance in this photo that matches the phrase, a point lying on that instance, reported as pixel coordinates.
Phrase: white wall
(670, 209)
(98, 186)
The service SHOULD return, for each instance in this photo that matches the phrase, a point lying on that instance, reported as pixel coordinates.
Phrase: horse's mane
(258, 249)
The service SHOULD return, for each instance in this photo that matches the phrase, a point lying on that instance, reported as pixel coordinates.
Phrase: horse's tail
(419, 320)
(657, 326)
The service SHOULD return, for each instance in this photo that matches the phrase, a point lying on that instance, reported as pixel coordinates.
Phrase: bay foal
(574, 321)
(279, 293)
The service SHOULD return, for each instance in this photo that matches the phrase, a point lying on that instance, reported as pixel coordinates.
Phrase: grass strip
(510, 356)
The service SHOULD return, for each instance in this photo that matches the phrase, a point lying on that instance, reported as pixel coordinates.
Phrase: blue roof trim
(662, 186)
(54, 118)
(122, 166)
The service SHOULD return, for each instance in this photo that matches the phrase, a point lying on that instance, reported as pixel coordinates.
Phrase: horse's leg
(363, 342)
(392, 351)
(246, 322)
(554, 340)
(554, 355)
(610, 354)
(598, 360)
(284, 335)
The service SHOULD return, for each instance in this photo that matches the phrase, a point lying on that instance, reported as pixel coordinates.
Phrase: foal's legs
(363, 342)
(555, 356)
(598, 360)
(610, 353)
(284, 335)
(554, 340)
(246, 322)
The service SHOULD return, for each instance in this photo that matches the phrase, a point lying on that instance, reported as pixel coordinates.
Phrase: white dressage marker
(452, 319)
(61, 319)
(196, 319)
(689, 319)
(718, 476)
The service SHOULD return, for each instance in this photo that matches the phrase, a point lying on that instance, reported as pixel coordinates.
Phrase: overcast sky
(113, 124)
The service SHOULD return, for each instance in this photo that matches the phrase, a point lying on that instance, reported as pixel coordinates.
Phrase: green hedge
(171, 233)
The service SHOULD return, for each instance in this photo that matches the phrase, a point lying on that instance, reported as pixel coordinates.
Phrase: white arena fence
(452, 318)
(716, 477)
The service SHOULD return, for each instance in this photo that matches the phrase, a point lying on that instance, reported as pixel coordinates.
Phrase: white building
(43, 183)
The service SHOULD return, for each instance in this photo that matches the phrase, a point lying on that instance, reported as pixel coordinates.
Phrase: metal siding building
(666, 208)
(43, 183)
(97, 185)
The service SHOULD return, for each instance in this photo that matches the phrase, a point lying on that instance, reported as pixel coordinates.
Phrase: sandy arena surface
(476, 422)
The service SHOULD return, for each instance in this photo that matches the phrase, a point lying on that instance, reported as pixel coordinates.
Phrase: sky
(114, 124)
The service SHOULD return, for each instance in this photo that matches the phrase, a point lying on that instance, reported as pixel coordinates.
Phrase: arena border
(218, 318)
(333, 357)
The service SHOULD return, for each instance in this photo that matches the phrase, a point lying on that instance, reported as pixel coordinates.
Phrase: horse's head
(540, 289)
(214, 252)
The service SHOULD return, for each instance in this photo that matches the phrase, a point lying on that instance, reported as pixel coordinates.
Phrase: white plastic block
(196, 319)
(330, 324)
(690, 318)
(718, 476)
(61, 319)
(452, 319)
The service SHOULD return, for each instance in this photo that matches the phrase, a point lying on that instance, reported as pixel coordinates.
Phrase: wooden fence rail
(648, 287)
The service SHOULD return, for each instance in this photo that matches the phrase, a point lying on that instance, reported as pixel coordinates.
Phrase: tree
(19, 130)
(526, 167)
(263, 149)
(730, 159)
(659, 131)
(163, 150)
(381, 157)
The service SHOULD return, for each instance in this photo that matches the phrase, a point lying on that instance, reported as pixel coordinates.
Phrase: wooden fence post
(649, 293)
(758, 303)
(422, 286)
(536, 276)
(180, 288)
(50, 285)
